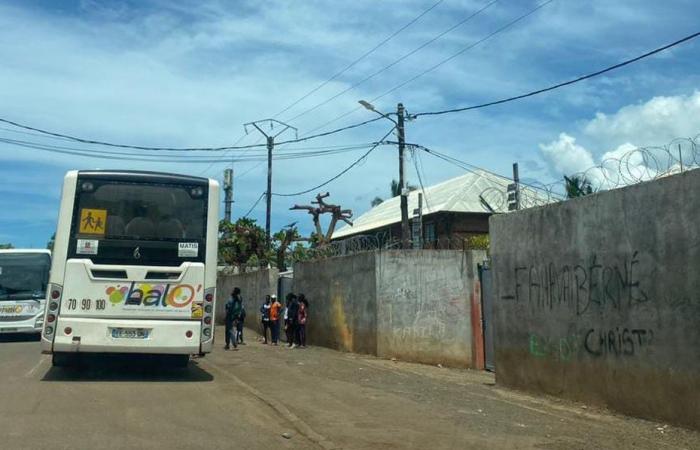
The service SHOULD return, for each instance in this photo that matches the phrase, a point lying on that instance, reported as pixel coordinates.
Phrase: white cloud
(637, 135)
(655, 122)
(567, 157)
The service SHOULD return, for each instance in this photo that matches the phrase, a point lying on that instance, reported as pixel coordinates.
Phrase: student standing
(301, 322)
(232, 315)
(265, 312)
(275, 308)
(240, 322)
(293, 320)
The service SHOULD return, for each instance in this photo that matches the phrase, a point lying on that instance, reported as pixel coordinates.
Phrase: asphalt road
(318, 398)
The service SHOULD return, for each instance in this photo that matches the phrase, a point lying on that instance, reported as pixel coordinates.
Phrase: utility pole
(270, 136)
(228, 191)
(400, 111)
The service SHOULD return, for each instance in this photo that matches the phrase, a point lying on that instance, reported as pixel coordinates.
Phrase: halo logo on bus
(144, 294)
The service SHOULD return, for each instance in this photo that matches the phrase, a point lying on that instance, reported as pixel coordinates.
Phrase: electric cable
(566, 83)
(181, 149)
(254, 205)
(444, 61)
(343, 172)
(396, 61)
(178, 158)
(352, 64)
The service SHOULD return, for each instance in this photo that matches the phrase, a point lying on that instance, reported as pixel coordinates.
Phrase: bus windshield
(23, 276)
(118, 217)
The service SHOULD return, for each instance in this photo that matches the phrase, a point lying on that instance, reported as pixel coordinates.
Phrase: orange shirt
(275, 310)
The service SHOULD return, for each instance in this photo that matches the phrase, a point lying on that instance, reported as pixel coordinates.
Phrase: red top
(302, 314)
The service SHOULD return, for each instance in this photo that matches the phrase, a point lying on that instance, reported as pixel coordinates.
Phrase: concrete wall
(254, 287)
(412, 305)
(423, 305)
(598, 299)
(342, 302)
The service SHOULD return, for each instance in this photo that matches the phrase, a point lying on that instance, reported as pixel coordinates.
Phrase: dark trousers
(275, 328)
(231, 331)
(289, 331)
(301, 335)
(239, 331)
(266, 326)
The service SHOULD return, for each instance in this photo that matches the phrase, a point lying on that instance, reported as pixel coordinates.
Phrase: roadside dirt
(341, 400)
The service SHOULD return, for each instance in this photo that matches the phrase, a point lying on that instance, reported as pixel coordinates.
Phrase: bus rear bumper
(97, 336)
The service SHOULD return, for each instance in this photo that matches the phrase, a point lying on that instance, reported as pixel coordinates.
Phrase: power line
(181, 149)
(254, 205)
(176, 158)
(444, 61)
(352, 64)
(471, 167)
(343, 172)
(566, 83)
(396, 61)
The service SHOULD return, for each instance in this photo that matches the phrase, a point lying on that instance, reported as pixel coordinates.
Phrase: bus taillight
(208, 316)
(56, 291)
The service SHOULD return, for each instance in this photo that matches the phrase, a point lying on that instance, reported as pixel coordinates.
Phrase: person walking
(301, 322)
(275, 308)
(232, 314)
(265, 313)
(293, 320)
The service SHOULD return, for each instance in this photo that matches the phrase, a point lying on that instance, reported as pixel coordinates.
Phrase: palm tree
(577, 186)
(395, 191)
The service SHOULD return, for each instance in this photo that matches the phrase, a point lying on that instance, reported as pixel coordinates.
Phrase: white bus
(134, 266)
(24, 275)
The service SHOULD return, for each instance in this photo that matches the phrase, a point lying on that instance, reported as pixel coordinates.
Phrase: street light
(370, 107)
(400, 111)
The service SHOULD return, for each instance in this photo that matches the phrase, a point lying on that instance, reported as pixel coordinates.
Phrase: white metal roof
(460, 194)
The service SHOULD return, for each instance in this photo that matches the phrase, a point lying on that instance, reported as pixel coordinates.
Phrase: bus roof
(26, 250)
(144, 176)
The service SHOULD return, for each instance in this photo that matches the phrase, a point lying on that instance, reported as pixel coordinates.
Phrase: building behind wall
(453, 212)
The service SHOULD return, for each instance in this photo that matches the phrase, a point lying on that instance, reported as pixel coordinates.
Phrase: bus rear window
(118, 210)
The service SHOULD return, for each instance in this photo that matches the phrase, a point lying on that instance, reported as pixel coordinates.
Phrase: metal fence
(628, 167)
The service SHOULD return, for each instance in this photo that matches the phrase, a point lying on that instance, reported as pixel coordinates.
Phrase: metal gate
(486, 277)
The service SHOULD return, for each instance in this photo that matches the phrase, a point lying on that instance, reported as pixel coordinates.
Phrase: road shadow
(121, 368)
(20, 337)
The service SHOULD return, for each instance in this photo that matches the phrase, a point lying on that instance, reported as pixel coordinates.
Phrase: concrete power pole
(228, 191)
(270, 146)
(405, 232)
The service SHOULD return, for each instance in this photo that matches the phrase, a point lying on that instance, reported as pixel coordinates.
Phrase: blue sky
(169, 73)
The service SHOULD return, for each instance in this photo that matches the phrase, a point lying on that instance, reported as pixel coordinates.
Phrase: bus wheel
(61, 360)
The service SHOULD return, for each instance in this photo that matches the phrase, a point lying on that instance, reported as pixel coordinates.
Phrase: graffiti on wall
(579, 287)
(596, 342)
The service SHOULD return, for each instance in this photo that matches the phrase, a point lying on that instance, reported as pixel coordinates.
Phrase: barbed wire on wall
(384, 241)
(632, 166)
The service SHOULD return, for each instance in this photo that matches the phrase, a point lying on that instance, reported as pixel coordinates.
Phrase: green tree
(285, 254)
(242, 242)
(7, 246)
(49, 245)
(577, 186)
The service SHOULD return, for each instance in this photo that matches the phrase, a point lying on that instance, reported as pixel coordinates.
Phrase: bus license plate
(129, 333)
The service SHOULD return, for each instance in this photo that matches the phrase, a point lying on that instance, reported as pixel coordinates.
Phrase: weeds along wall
(598, 299)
